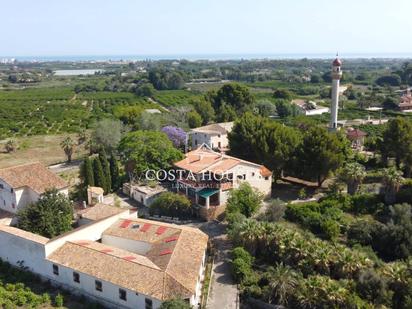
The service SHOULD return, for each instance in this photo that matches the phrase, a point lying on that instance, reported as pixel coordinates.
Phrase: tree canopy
(50, 216)
(144, 150)
(320, 153)
(107, 134)
(245, 200)
(234, 95)
(171, 204)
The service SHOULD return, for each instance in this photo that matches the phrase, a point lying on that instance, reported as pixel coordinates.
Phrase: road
(223, 293)
(64, 167)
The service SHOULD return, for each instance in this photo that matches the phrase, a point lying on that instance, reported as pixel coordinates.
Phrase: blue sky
(142, 27)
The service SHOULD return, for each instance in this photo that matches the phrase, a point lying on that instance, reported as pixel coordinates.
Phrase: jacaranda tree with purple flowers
(176, 135)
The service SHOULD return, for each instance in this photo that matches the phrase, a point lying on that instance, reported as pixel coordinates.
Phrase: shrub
(366, 203)
(241, 269)
(59, 300)
(240, 253)
(245, 200)
(373, 287)
(172, 205)
(330, 229)
(360, 232)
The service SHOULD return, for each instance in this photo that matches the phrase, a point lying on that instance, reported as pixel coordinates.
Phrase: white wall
(139, 247)
(14, 249)
(7, 198)
(212, 140)
(200, 138)
(253, 177)
(91, 232)
(109, 294)
(20, 197)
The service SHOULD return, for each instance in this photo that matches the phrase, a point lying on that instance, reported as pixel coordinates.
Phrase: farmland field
(43, 148)
(40, 111)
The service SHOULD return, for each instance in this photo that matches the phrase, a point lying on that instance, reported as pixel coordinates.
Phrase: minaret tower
(336, 76)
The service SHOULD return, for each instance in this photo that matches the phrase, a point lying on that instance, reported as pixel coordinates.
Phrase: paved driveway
(223, 292)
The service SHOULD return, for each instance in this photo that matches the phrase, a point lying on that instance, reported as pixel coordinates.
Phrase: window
(218, 135)
(149, 303)
(11, 190)
(13, 205)
(122, 294)
(98, 285)
(1, 186)
(266, 178)
(55, 269)
(76, 277)
(253, 174)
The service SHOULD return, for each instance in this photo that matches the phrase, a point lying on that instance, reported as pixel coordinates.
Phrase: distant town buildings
(7, 60)
(213, 135)
(214, 175)
(24, 184)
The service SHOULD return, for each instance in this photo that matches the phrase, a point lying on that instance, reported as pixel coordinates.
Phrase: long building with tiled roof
(23, 184)
(119, 260)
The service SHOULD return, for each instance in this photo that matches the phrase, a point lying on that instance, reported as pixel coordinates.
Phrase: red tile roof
(355, 133)
(33, 175)
(204, 159)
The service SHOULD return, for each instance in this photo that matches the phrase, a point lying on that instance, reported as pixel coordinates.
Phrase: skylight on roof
(165, 252)
(172, 238)
(161, 230)
(129, 258)
(125, 224)
(146, 227)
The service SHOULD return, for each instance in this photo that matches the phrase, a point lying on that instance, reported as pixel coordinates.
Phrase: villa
(208, 176)
(214, 135)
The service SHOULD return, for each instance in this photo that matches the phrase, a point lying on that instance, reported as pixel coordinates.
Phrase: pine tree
(106, 171)
(114, 172)
(99, 178)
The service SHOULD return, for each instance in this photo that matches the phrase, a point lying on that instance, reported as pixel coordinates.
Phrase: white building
(209, 176)
(118, 260)
(310, 108)
(144, 194)
(24, 184)
(214, 135)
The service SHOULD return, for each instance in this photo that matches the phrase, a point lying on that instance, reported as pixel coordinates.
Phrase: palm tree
(68, 147)
(392, 180)
(352, 174)
(11, 146)
(282, 283)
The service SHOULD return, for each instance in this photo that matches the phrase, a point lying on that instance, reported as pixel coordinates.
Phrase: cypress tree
(88, 172)
(114, 172)
(106, 171)
(99, 178)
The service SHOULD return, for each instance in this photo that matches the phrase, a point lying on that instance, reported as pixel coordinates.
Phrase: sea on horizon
(193, 57)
